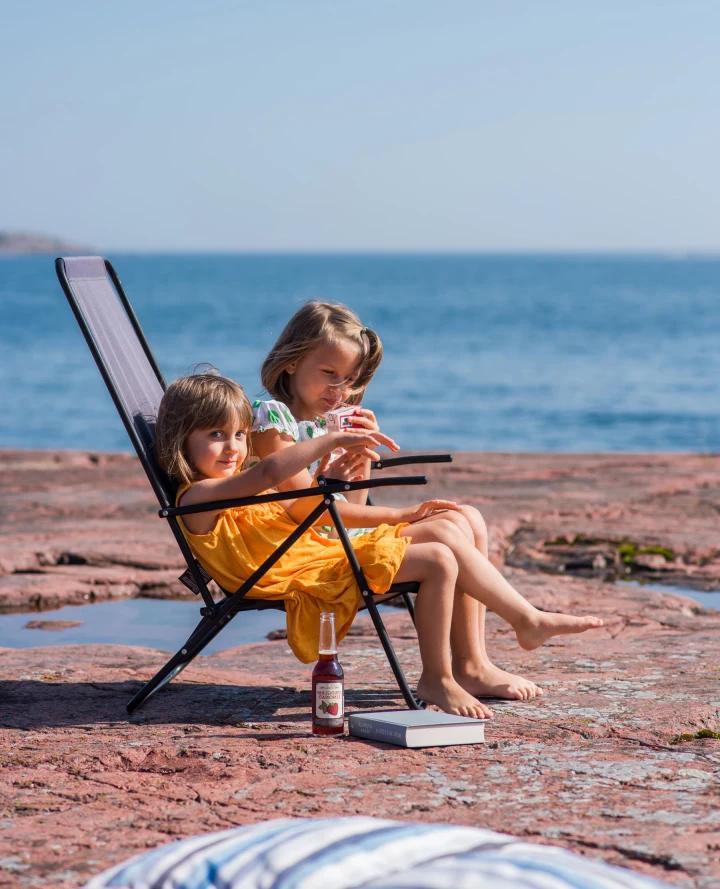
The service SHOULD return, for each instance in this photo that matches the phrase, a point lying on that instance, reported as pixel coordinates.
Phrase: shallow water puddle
(152, 623)
(706, 599)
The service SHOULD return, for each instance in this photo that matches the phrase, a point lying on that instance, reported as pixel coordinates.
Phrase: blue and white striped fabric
(347, 853)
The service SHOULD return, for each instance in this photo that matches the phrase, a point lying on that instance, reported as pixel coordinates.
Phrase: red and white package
(340, 418)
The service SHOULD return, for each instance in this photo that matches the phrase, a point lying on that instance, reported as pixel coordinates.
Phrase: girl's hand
(347, 468)
(365, 419)
(359, 440)
(429, 507)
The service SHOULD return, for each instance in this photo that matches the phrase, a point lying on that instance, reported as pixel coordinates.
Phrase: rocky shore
(619, 760)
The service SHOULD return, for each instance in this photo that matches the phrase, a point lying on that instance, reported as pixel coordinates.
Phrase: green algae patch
(703, 733)
(664, 551)
(628, 552)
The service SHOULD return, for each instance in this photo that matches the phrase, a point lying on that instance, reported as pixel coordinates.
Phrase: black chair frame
(216, 614)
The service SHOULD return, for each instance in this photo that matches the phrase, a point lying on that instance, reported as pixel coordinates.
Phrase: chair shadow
(32, 704)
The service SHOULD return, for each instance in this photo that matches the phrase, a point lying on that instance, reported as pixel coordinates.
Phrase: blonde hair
(200, 401)
(315, 323)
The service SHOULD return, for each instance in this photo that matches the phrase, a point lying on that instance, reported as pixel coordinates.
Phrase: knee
(450, 528)
(442, 560)
(460, 523)
(477, 525)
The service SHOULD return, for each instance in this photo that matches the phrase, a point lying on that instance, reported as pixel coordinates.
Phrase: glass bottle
(328, 683)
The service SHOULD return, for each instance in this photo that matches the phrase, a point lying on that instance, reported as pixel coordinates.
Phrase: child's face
(322, 379)
(217, 453)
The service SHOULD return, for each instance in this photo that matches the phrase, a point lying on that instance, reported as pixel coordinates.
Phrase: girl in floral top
(323, 358)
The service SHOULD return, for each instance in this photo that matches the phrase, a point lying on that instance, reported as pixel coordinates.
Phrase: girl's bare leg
(481, 580)
(483, 677)
(472, 667)
(435, 567)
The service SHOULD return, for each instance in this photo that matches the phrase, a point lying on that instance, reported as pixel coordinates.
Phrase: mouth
(227, 462)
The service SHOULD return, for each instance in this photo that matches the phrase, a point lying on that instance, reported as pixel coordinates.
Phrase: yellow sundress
(313, 576)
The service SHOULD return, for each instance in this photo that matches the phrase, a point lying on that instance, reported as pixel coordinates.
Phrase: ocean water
(499, 353)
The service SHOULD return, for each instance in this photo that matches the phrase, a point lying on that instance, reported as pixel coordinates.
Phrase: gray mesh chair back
(121, 352)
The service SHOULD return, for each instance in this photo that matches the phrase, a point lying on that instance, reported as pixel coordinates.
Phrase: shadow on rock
(34, 704)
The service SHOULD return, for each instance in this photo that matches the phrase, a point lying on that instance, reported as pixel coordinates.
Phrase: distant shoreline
(28, 244)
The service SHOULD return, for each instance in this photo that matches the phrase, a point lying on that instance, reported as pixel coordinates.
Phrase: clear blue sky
(406, 124)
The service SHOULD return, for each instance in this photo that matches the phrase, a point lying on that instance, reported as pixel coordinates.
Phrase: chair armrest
(323, 490)
(415, 458)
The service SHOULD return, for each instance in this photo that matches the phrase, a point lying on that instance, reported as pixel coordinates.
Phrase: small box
(340, 418)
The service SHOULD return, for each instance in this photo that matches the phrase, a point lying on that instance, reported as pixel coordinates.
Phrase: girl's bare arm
(354, 464)
(272, 471)
(355, 515)
(271, 442)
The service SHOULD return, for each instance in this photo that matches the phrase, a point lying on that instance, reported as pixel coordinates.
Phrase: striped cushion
(344, 853)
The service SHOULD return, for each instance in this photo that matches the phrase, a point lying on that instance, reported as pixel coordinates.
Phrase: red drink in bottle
(328, 683)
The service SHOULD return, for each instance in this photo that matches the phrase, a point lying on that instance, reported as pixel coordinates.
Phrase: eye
(240, 434)
(216, 433)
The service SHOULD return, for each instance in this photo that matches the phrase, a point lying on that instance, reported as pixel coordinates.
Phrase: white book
(416, 728)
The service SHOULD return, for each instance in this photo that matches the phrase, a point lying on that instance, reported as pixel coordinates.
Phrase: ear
(292, 367)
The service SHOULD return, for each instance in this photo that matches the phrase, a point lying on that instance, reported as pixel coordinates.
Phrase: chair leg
(410, 605)
(222, 613)
(411, 699)
(413, 702)
(201, 636)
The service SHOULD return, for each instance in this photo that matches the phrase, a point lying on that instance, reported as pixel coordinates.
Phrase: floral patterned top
(276, 415)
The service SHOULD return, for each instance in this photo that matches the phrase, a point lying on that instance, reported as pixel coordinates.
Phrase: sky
(406, 125)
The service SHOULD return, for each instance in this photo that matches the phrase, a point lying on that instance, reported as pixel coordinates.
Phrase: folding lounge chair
(136, 385)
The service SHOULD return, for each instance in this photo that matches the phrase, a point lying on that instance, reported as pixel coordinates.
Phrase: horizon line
(631, 252)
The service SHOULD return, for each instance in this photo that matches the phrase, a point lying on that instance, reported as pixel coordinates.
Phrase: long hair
(200, 401)
(315, 323)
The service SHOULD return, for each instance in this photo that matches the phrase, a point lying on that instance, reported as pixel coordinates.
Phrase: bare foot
(537, 629)
(487, 680)
(450, 697)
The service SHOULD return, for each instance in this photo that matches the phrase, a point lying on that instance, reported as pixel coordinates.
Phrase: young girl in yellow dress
(202, 433)
(325, 357)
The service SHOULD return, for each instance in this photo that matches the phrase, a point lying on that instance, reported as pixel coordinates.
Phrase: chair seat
(397, 589)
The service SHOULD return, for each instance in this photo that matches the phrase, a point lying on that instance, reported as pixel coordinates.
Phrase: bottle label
(329, 700)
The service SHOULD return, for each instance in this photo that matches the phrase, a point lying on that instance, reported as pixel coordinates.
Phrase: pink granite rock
(618, 760)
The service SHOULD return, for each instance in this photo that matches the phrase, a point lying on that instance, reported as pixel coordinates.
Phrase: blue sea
(498, 353)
